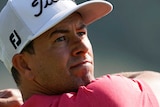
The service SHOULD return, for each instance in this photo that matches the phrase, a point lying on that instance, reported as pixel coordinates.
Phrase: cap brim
(90, 12)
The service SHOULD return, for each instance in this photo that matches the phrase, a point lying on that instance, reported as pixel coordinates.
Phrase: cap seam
(18, 16)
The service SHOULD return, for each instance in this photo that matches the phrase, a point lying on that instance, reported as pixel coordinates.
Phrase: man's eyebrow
(58, 31)
(83, 26)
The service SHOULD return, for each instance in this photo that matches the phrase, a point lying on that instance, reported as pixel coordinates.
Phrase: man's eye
(81, 33)
(60, 39)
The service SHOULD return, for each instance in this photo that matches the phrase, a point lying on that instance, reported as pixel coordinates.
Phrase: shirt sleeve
(113, 91)
(107, 91)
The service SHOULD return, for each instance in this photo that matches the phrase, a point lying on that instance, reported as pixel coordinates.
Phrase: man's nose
(80, 46)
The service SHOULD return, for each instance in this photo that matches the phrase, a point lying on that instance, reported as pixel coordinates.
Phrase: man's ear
(21, 64)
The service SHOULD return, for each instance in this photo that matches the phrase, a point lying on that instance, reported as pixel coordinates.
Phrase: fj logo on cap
(42, 5)
(15, 39)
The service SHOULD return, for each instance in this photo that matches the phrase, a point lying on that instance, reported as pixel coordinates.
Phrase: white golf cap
(21, 21)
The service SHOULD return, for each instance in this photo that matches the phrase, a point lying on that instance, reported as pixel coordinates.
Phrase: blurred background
(125, 40)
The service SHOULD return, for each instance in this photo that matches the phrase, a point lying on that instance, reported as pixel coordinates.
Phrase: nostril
(79, 52)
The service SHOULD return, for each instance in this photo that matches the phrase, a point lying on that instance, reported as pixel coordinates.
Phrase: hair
(16, 76)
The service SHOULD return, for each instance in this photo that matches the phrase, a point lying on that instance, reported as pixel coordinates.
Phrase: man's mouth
(81, 64)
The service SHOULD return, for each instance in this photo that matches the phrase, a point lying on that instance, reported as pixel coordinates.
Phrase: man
(45, 46)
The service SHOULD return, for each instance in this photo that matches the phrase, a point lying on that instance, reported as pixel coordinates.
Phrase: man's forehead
(73, 19)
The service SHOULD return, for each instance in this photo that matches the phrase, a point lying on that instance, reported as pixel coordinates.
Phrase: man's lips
(80, 64)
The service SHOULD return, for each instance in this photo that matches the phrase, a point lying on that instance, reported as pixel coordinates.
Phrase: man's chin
(87, 79)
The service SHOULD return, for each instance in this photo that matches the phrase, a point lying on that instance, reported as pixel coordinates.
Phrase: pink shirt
(107, 91)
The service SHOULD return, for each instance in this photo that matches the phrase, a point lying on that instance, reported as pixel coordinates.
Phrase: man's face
(63, 58)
